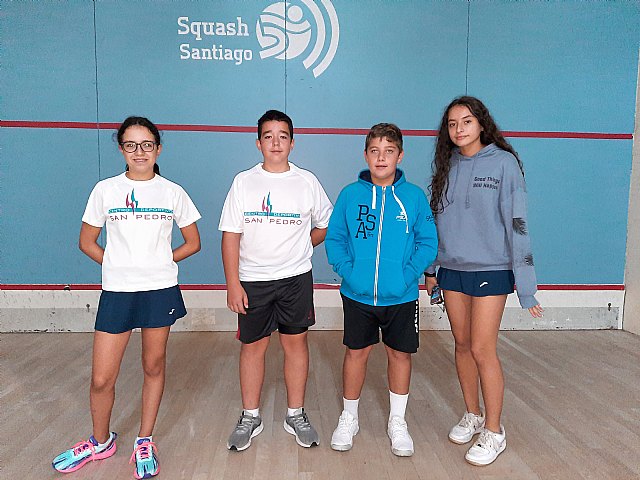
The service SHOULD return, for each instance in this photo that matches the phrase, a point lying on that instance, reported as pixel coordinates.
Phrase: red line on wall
(317, 286)
(304, 130)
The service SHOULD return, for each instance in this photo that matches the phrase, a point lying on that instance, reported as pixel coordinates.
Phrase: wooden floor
(572, 410)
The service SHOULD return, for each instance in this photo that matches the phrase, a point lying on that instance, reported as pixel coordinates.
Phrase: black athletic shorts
(398, 323)
(285, 305)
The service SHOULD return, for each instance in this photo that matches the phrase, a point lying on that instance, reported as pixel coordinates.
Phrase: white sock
(135, 444)
(102, 446)
(254, 412)
(397, 404)
(351, 406)
(294, 411)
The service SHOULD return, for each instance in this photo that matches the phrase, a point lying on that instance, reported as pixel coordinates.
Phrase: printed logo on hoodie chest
(490, 183)
(366, 222)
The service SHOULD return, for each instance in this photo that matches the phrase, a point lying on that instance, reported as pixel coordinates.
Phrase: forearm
(92, 250)
(317, 236)
(231, 257)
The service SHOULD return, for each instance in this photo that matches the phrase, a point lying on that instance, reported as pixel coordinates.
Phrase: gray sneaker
(299, 425)
(246, 428)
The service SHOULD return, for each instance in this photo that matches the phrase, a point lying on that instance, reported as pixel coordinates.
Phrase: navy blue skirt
(477, 284)
(120, 312)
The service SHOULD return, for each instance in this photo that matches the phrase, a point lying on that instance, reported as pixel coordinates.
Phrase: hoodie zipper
(375, 280)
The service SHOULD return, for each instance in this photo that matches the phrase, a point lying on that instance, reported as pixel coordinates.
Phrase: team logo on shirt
(133, 212)
(275, 218)
(133, 203)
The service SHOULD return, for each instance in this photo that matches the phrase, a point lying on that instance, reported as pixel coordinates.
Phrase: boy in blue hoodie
(380, 239)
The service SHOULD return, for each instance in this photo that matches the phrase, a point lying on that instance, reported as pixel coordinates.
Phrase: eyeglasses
(131, 147)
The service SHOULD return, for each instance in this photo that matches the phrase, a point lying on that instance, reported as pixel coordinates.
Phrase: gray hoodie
(484, 222)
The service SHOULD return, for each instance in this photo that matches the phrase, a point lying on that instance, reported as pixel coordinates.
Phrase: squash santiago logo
(284, 33)
(305, 29)
(267, 215)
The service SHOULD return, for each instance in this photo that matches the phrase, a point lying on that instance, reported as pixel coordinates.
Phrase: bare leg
(252, 372)
(486, 315)
(459, 312)
(108, 350)
(398, 370)
(296, 367)
(354, 371)
(154, 359)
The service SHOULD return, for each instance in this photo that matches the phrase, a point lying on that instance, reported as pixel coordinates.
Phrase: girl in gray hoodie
(478, 195)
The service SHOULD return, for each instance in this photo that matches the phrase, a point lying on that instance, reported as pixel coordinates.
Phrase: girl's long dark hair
(444, 147)
(142, 122)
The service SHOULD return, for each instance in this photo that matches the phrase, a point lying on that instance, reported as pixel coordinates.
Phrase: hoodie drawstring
(373, 197)
(467, 201)
(402, 209)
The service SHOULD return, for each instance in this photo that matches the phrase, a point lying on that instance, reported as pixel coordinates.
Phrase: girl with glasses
(139, 287)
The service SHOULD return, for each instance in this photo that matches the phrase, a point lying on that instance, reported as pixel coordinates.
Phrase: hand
(430, 282)
(536, 311)
(237, 299)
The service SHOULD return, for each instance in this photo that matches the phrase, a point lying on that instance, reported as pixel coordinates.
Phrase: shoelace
(301, 422)
(398, 427)
(467, 420)
(344, 423)
(145, 450)
(80, 447)
(487, 440)
(245, 423)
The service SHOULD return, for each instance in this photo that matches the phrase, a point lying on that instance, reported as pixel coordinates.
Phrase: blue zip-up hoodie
(484, 222)
(380, 240)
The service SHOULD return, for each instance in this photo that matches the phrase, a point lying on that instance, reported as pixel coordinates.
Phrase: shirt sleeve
(185, 212)
(94, 213)
(513, 208)
(232, 213)
(337, 240)
(322, 207)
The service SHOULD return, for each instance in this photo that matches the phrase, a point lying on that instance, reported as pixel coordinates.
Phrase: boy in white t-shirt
(273, 216)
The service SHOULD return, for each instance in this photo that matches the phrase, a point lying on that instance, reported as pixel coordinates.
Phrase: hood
(364, 179)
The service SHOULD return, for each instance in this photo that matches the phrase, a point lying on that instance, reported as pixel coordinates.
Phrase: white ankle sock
(351, 406)
(102, 446)
(254, 412)
(294, 411)
(397, 404)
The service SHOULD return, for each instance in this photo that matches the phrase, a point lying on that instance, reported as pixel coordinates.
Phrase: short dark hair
(389, 131)
(142, 122)
(276, 115)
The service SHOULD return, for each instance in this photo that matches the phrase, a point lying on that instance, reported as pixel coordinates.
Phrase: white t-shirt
(139, 217)
(275, 213)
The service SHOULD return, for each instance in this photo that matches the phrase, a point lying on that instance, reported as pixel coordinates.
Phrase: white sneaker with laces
(487, 448)
(467, 427)
(401, 441)
(342, 438)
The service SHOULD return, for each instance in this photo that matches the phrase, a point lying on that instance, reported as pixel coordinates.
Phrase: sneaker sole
(255, 433)
(344, 448)
(402, 453)
(485, 463)
(461, 442)
(98, 456)
(290, 430)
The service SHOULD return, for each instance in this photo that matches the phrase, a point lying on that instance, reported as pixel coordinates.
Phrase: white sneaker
(467, 427)
(487, 448)
(342, 438)
(401, 441)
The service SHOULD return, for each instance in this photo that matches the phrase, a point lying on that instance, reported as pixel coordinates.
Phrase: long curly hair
(444, 147)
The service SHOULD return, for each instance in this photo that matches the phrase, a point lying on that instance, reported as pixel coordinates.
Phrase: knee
(463, 345)
(102, 383)
(396, 356)
(483, 354)
(359, 356)
(153, 367)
